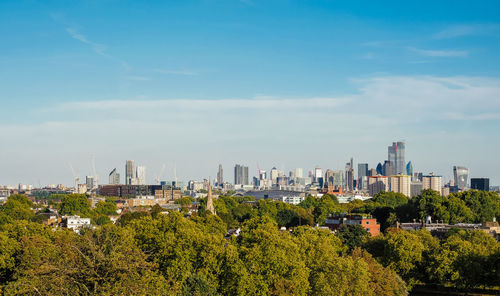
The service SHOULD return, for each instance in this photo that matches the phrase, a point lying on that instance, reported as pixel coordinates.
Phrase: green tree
(75, 204)
(352, 236)
(18, 207)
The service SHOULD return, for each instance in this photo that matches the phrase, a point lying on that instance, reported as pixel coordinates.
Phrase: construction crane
(76, 178)
(158, 178)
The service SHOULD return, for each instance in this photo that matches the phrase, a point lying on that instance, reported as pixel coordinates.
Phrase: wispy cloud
(137, 78)
(177, 72)
(98, 48)
(440, 53)
(466, 30)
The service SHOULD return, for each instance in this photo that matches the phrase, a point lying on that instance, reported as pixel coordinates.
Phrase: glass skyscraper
(396, 156)
(461, 176)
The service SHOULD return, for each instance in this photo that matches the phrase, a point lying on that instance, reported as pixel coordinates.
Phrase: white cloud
(98, 48)
(440, 53)
(465, 30)
(441, 113)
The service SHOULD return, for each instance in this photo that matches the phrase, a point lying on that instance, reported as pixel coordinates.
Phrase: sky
(264, 83)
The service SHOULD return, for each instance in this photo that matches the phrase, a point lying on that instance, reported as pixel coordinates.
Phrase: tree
(352, 236)
(75, 204)
(18, 207)
(106, 208)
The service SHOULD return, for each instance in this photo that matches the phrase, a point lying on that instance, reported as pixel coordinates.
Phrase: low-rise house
(367, 222)
(76, 223)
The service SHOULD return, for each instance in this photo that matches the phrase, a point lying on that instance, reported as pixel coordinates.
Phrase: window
(367, 222)
(368, 229)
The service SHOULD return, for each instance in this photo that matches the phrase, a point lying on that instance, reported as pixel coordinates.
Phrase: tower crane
(158, 178)
(76, 178)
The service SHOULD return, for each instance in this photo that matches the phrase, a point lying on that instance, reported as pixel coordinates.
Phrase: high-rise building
(378, 184)
(240, 175)
(114, 177)
(362, 170)
(318, 173)
(274, 174)
(461, 176)
(140, 175)
(379, 169)
(409, 169)
(388, 168)
(396, 156)
(401, 184)
(372, 172)
(220, 176)
(349, 175)
(338, 179)
(298, 173)
(328, 178)
(129, 172)
(90, 181)
(480, 184)
(432, 182)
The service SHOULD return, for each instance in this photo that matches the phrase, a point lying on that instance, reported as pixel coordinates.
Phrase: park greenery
(157, 253)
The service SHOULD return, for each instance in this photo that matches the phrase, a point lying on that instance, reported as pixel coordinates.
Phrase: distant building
(349, 175)
(415, 188)
(432, 182)
(480, 184)
(76, 223)
(220, 176)
(401, 184)
(318, 173)
(274, 174)
(241, 175)
(377, 184)
(388, 168)
(140, 175)
(461, 176)
(409, 169)
(379, 169)
(90, 182)
(362, 170)
(367, 222)
(114, 177)
(372, 172)
(396, 156)
(129, 172)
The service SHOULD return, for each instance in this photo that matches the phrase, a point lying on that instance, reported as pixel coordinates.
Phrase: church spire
(210, 202)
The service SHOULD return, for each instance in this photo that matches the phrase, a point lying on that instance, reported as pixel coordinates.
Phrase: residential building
(367, 222)
(378, 184)
(76, 223)
(140, 175)
(90, 182)
(432, 182)
(401, 184)
(129, 172)
(114, 177)
(241, 175)
(220, 176)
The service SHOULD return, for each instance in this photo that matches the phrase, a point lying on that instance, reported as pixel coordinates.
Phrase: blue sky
(279, 83)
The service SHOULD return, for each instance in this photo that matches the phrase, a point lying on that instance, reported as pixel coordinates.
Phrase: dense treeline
(150, 253)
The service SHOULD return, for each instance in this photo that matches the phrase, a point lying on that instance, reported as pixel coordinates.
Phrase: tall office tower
(90, 181)
(349, 175)
(377, 184)
(328, 178)
(338, 179)
(318, 173)
(362, 170)
(298, 173)
(461, 176)
(141, 175)
(401, 184)
(432, 182)
(220, 176)
(396, 155)
(114, 177)
(129, 172)
(388, 168)
(409, 169)
(480, 184)
(372, 172)
(240, 175)
(380, 169)
(274, 174)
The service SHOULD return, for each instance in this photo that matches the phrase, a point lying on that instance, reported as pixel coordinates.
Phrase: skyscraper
(409, 169)
(114, 177)
(396, 156)
(349, 175)
(220, 177)
(240, 175)
(129, 172)
(380, 169)
(388, 168)
(362, 170)
(461, 176)
(318, 173)
(141, 175)
(90, 181)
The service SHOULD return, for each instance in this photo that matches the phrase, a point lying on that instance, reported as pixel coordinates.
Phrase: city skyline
(285, 84)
